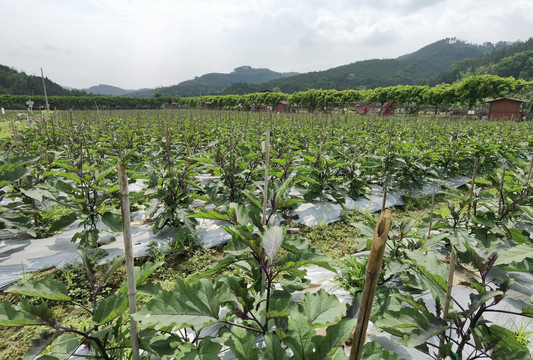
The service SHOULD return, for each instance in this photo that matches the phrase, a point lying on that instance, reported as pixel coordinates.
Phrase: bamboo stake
(373, 270)
(265, 198)
(432, 208)
(530, 175)
(125, 207)
(453, 257)
(384, 200)
(472, 186)
(267, 164)
(14, 130)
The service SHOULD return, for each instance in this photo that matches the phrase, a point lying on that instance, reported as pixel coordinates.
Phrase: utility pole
(44, 87)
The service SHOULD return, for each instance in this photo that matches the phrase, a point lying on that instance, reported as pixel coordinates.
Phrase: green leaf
(433, 271)
(186, 305)
(516, 253)
(374, 351)
(292, 283)
(335, 336)
(300, 336)
(528, 310)
(274, 350)
(321, 308)
(415, 327)
(272, 240)
(113, 221)
(38, 345)
(63, 222)
(36, 193)
(11, 316)
(213, 215)
(110, 308)
(62, 348)
(215, 268)
(46, 288)
(241, 343)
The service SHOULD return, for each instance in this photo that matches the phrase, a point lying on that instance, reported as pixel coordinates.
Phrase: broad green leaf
(113, 221)
(195, 305)
(272, 240)
(292, 283)
(516, 253)
(433, 272)
(11, 316)
(273, 349)
(300, 336)
(63, 222)
(413, 326)
(46, 288)
(215, 268)
(374, 351)
(335, 336)
(13, 174)
(527, 311)
(110, 308)
(70, 176)
(321, 308)
(213, 215)
(36, 194)
(62, 348)
(38, 345)
(241, 343)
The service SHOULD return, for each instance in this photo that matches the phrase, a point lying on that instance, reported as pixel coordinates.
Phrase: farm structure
(282, 107)
(506, 108)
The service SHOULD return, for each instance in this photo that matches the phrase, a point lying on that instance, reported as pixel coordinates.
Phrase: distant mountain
(416, 68)
(447, 60)
(441, 54)
(103, 89)
(515, 59)
(14, 82)
(215, 83)
(358, 75)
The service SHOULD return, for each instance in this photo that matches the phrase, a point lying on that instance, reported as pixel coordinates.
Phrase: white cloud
(137, 43)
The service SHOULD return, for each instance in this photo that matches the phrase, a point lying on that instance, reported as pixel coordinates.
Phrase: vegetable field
(249, 173)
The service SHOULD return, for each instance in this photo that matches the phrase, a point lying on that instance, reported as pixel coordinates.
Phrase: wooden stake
(373, 270)
(130, 271)
(472, 186)
(453, 257)
(267, 164)
(14, 130)
(432, 207)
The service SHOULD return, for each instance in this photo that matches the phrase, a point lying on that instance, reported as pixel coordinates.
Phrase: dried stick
(373, 270)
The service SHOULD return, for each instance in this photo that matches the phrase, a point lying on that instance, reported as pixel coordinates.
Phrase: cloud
(136, 43)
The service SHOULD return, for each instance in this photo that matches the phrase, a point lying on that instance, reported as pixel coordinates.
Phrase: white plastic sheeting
(18, 256)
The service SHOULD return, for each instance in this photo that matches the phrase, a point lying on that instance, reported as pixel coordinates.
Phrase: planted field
(252, 177)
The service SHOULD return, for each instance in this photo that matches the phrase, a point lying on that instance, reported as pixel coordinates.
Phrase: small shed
(282, 107)
(208, 105)
(506, 108)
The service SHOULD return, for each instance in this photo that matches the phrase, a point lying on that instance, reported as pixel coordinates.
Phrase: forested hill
(361, 74)
(442, 54)
(215, 83)
(18, 83)
(514, 60)
(417, 68)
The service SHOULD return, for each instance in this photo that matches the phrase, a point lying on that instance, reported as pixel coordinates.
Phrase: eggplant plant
(107, 336)
(242, 311)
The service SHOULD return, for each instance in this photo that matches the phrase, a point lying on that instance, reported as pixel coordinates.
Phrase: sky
(137, 44)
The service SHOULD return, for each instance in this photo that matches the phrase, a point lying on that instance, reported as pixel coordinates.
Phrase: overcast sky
(149, 43)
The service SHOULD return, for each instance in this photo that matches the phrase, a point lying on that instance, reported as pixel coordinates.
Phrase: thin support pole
(130, 271)
(373, 271)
